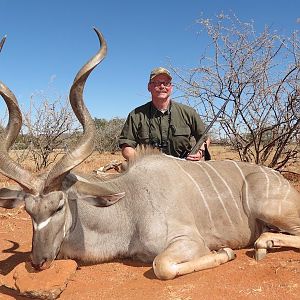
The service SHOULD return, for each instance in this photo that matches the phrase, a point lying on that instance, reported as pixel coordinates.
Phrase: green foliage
(108, 132)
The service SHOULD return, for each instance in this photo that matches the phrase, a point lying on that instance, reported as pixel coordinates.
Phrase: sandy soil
(275, 277)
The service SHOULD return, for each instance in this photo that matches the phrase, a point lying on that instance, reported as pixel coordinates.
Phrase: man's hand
(195, 157)
(128, 152)
(200, 154)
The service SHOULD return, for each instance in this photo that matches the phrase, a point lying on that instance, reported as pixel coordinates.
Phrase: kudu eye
(60, 205)
(59, 208)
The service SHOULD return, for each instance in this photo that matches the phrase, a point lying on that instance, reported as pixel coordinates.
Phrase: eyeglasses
(159, 83)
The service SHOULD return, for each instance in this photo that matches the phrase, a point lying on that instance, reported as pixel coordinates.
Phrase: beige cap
(158, 71)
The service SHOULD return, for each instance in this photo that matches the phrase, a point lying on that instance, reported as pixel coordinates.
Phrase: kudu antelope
(184, 216)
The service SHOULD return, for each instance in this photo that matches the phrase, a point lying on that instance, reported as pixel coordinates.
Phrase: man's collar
(154, 110)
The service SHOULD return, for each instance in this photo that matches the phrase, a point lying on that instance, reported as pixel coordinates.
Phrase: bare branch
(259, 73)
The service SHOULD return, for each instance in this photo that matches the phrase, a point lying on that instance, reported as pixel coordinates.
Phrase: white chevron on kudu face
(41, 225)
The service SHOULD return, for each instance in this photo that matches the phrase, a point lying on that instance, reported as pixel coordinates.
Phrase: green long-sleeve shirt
(171, 130)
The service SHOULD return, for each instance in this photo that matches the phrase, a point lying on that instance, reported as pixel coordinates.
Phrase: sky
(48, 42)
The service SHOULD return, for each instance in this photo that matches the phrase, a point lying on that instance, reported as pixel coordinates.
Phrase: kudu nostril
(42, 265)
(36, 266)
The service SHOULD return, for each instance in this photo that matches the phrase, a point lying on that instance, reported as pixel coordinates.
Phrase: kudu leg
(174, 262)
(270, 240)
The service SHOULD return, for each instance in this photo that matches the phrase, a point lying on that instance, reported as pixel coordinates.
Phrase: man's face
(160, 86)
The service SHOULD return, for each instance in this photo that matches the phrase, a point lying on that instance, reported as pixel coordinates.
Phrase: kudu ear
(11, 197)
(102, 201)
(94, 194)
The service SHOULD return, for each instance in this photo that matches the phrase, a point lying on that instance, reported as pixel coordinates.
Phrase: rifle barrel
(195, 149)
(2, 42)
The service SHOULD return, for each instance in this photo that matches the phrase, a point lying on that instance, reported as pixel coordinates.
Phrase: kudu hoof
(229, 252)
(260, 253)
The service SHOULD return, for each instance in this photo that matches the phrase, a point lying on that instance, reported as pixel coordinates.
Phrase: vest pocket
(185, 131)
(143, 136)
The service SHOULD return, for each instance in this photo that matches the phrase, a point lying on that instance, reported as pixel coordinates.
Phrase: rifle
(198, 144)
(2, 42)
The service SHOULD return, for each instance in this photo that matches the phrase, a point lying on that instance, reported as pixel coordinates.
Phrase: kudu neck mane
(141, 152)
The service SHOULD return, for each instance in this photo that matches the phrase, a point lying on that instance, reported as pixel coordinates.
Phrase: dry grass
(97, 160)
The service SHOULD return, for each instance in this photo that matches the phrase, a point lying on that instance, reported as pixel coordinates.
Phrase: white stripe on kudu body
(283, 186)
(267, 187)
(279, 188)
(228, 188)
(200, 192)
(217, 192)
(245, 183)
